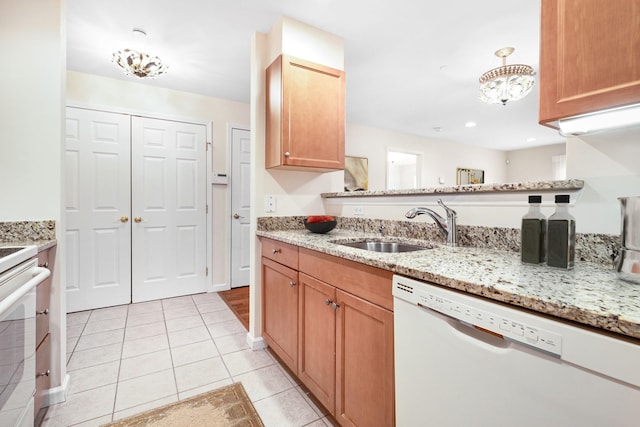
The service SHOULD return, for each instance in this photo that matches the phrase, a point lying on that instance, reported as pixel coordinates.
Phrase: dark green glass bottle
(533, 233)
(561, 235)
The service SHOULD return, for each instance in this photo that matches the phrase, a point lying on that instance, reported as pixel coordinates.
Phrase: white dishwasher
(464, 361)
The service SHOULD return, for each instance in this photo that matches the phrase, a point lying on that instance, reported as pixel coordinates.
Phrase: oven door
(17, 342)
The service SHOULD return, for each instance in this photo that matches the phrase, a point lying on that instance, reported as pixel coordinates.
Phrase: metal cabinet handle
(124, 218)
(327, 301)
(43, 374)
(236, 216)
(44, 312)
(276, 251)
(287, 154)
(292, 284)
(335, 306)
(137, 219)
(45, 265)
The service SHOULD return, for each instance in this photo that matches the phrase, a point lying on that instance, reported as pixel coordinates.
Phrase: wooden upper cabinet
(305, 116)
(589, 57)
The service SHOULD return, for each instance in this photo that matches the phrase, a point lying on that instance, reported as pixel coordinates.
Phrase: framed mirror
(466, 176)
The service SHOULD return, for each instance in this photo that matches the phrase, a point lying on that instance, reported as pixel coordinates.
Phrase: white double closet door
(135, 208)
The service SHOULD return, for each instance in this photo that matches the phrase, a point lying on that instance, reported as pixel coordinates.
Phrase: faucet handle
(450, 212)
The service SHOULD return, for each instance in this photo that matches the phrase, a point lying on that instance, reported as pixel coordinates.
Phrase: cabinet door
(364, 355)
(316, 340)
(43, 378)
(43, 297)
(589, 56)
(305, 115)
(280, 310)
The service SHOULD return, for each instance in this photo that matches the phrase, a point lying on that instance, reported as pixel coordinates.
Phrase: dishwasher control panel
(480, 314)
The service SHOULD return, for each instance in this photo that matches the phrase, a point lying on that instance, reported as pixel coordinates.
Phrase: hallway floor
(127, 359)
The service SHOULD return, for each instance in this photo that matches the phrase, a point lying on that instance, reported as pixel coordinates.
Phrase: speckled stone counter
(590, 294)
(566, 185)
(23, 233)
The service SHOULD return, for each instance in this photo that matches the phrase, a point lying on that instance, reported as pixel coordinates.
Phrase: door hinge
(206, 208)
(206, 271)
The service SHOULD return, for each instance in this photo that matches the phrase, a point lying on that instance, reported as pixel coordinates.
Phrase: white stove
(19, 275)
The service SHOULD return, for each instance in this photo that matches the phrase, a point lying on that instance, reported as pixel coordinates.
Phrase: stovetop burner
(10, 256)
(8, 251)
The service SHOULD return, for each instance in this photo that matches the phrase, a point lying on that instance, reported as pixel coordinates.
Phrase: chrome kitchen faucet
(447, 226)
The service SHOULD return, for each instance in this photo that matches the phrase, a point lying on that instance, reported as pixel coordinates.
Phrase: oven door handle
(39, 275)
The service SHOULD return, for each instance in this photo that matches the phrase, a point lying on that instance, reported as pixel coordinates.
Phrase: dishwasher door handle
(470, 333)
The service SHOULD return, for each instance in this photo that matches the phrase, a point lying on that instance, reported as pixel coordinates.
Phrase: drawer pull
(292, 284)
(276, 251)
(43, 312)
(43, 374)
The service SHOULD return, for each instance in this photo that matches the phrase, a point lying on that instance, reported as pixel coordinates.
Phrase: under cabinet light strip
(602, 120)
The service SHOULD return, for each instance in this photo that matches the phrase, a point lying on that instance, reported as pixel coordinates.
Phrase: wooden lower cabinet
(364, 353)
(343, 318)
(43, 335)
(317, 340)
(280, 310)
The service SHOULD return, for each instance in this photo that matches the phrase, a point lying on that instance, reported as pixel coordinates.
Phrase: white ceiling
(412, 65)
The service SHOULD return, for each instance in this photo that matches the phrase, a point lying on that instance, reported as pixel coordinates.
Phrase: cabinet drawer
(283, 253)
(43, 292)
(43, 364)
(370, 283)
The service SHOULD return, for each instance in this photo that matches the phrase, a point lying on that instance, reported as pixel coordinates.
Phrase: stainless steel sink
(382, 246)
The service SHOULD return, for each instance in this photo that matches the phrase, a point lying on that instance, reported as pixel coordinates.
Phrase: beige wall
(130, 96)
(533, 164)
(33, 45)
(608, 163)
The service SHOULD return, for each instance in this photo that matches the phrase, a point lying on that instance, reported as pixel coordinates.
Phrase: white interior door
(240, 206)
(168, 208)
(97, 206)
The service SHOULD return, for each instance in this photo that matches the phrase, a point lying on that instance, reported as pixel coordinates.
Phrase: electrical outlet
(270, 204)
(359, 210)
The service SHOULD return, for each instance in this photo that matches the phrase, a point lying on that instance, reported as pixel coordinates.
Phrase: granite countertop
(590, 294)
(564, 185)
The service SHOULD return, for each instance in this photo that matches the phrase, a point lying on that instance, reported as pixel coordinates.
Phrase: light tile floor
(127, 359)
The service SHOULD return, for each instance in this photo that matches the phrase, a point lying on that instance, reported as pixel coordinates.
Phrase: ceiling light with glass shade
(137, 63)
(506, 83)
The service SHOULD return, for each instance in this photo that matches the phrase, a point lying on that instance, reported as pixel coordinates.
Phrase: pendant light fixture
(137, 63)
(508, 82)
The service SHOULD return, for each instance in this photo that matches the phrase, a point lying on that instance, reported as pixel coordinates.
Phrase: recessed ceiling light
(470, 124)
(532, 139)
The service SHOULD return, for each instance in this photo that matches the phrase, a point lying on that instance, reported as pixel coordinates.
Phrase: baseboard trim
(58, 394)
(219, 287)
(256, 343)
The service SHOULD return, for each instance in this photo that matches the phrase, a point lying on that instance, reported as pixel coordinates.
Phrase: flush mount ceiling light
(506, 83)
(139, 64)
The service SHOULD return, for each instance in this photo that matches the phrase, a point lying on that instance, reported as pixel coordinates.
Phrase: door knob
(236, 216)
(137, 219)
(124, 219)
